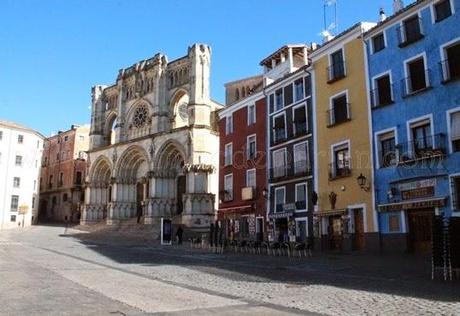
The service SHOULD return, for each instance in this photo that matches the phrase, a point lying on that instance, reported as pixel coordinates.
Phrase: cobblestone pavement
(129, 275)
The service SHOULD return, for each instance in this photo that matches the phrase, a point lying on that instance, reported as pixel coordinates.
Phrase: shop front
(241, 223)
(282, 225)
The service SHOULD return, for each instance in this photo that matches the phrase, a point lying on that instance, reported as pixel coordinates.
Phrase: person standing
(179, 233)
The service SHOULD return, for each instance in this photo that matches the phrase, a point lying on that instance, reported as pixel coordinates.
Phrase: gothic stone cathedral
(154, 144)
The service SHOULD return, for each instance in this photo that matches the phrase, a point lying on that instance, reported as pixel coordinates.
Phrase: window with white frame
(288, 95)
(280, 199)
(382, 93)
(455, 131)
(301, 164)
(20, 139)
(341, 165)
(251, 114)
(299, 89)
(18, 161)
(228, 187)
(451, 63)
(279, 128)
(378, 42)
(1, 135)
(418, 75)
(301, 196)
(455, 190)
(442, 10)
(279, 163)
(387, 149)
(278, 99)
(410, 30)
(14, 203)
(229, 125)
(339, 111)
(299, 117)
(251, 178)
(16, 182)
(422, 139)
(251, 147)
(336, 69)
(228, 154)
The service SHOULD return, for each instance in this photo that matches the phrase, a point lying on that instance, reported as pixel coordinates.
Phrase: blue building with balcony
(413, 61)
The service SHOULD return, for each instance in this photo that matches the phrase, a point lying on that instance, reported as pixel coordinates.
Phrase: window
(61, 179)
(271, 102)
(455, 131)
(300, 120)
(387, 149)
(20, 139)
(251, 114)
(66, 138)
(336, 69)
(394, 225)
(228, 154)
(417, 79)
(382, 94)
(50, 183)
(14, 203)
(81, 138)
(278, 99)
(455, 187)
(64, 197)
(1, 135)
(33, 202)
(279, 128)
(18, 160)
(78, 177)
(229, 125)
(228, 187)
(251, 178)
(422, 141)
(57, 156)
(288, 97)
(299, 89)
(16, 182)
(280, 199)
(410, 31)
(13, 218)
(442, 10)
(279, 163)
(251, 147)
(341, 166)
(378, 43)
(301, 196)
(301, 158)
(339, 111)
(451, 65)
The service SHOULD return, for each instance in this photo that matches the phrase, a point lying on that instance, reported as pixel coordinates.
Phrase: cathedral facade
(154, 144)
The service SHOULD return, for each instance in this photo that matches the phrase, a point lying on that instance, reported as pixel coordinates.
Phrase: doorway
(260, 228)
(420, 230)
(358, 236)
(139, 199)
(181, 185)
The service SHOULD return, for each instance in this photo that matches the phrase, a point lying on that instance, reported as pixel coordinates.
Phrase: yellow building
(345, 217)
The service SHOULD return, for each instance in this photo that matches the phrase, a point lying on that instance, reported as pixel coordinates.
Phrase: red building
(242, 176)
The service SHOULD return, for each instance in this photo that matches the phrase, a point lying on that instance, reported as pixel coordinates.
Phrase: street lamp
(362, 180)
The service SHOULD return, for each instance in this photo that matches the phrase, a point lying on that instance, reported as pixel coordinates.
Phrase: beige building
(154, 144)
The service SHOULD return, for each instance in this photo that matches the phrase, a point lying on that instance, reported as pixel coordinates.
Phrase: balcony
(279, 135)
(300, 128)
(382, 97)
(388, 159)
(226, 196)
(416, 84)
(431, 147)
(410, 32)
(336, 72)
(300, 169)
(337, 173)
(338, 115)
(450, 70)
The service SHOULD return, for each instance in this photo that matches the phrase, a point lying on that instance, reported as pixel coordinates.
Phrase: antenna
(330, 23)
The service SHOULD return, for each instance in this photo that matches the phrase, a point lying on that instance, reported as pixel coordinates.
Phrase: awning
(326, 213)
(413, 204)
(234, 209)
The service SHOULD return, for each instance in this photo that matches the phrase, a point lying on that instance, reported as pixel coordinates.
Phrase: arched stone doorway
(98, 192)
(130, 186)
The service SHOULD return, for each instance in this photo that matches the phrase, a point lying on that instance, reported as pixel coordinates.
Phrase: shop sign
(278, 215)
(417, 193)
(413, 205)
(288, 207)
(417, 184)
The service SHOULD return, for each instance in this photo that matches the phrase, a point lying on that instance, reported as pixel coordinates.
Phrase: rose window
(140, 116)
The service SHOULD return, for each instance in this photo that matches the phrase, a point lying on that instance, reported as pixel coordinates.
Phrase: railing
(298, 169)
(335, 117)
(388, 159)
(336, 173)
(279, 135)
(410, 86)
(410, 32)
(301, 205)
(382, 98)
(335, 72)
(422, 148)
(450, 69)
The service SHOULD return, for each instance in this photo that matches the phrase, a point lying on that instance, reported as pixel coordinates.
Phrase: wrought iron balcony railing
(336, 172)
(415, 84)
(382, 97)
(430, 147)
(410, 32)
(298, 169)
(450, 69)
(336, 116)
(336, 72)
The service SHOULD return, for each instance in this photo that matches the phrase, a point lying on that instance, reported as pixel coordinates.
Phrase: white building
(154, 144)
(20, 156)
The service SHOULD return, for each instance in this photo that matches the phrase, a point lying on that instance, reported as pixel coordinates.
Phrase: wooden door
(358, 238)
(420, 231)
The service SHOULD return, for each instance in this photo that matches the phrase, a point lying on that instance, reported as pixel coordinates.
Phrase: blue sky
(53, 51)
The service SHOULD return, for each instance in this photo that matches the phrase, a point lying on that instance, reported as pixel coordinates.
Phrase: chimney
(398, 5)
(382, 15)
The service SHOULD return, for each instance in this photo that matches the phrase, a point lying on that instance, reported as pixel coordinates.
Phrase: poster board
(166, 231)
